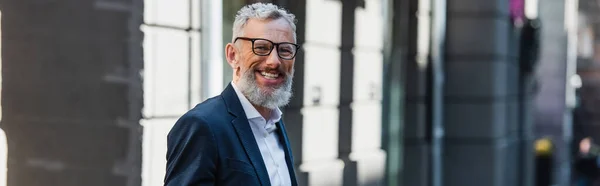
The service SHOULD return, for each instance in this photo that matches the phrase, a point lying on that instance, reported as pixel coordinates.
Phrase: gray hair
(261, 11)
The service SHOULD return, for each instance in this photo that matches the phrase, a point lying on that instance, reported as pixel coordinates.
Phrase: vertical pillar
(571, 25)
(427, 24)
(393, 89)
(3, 142)
(552, 112)
(477, 94)
(212, 48)
(521, 123)
(70, 89)
(293, 116)
(346, 91)
(360, 93)
(436, 89)
(526, 161)
(525, 130)
(416, 148)
(312, 116)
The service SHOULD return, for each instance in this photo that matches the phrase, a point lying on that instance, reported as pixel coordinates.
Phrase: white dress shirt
(268, 141)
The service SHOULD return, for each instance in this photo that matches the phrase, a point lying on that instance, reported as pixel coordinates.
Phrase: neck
(264, 112)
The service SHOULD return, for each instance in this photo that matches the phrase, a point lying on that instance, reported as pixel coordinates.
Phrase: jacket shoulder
(208, 112)
(203, 117)
(211, 107)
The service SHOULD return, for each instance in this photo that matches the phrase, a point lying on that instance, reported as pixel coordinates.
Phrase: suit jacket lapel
(242, 127)
(288, 152)
(244, 132)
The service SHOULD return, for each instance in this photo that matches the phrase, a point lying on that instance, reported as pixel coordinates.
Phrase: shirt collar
(249, 109)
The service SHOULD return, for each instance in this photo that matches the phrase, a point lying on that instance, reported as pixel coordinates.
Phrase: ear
(230, 54)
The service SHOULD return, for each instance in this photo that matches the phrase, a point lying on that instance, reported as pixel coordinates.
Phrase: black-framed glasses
(263, 47)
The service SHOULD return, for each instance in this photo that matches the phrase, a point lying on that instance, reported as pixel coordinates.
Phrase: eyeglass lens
(264, 47)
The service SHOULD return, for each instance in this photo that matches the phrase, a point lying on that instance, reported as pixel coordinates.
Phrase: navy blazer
(213, 144)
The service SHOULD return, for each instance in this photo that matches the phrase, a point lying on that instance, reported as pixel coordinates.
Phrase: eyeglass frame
(275, 45)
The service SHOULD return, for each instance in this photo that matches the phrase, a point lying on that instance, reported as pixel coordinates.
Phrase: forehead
(276, 30)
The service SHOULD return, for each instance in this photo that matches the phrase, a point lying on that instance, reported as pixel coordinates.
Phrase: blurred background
(386, 92)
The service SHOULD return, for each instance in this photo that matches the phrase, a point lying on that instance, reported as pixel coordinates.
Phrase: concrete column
(3, 142)
(347, 65)
(395, 43)
(551, 110)
(416, 148)
(212, 45)
(521, 125)
(72, 92)
(360, 93)
(312, 116)
(479, 145)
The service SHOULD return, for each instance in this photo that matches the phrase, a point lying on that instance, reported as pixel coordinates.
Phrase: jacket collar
(234, 106)
(244, 132)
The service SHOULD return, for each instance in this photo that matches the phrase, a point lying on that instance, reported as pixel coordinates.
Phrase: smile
(269, 75)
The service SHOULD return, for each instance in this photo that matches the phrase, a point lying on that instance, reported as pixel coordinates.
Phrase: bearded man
(238, 138)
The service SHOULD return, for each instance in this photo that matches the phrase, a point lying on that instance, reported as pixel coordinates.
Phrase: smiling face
(265, 80)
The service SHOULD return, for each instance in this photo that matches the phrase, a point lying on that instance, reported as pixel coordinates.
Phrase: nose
(273, 59)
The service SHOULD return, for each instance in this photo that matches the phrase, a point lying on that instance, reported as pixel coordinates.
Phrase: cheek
(289, 66)
(251, 64)
(245, 68)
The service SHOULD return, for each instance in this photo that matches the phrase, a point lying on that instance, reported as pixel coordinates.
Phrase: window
(171, 57)
(171, 77)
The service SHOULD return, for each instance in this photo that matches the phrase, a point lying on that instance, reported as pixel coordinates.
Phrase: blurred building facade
(554, 95)
(588, 68)
(72, 91)
(586, 121)
(387, 92)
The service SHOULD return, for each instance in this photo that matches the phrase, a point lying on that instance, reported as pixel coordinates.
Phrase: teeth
(269, 75)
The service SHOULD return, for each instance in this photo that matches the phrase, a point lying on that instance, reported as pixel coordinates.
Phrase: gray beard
(271, 98)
